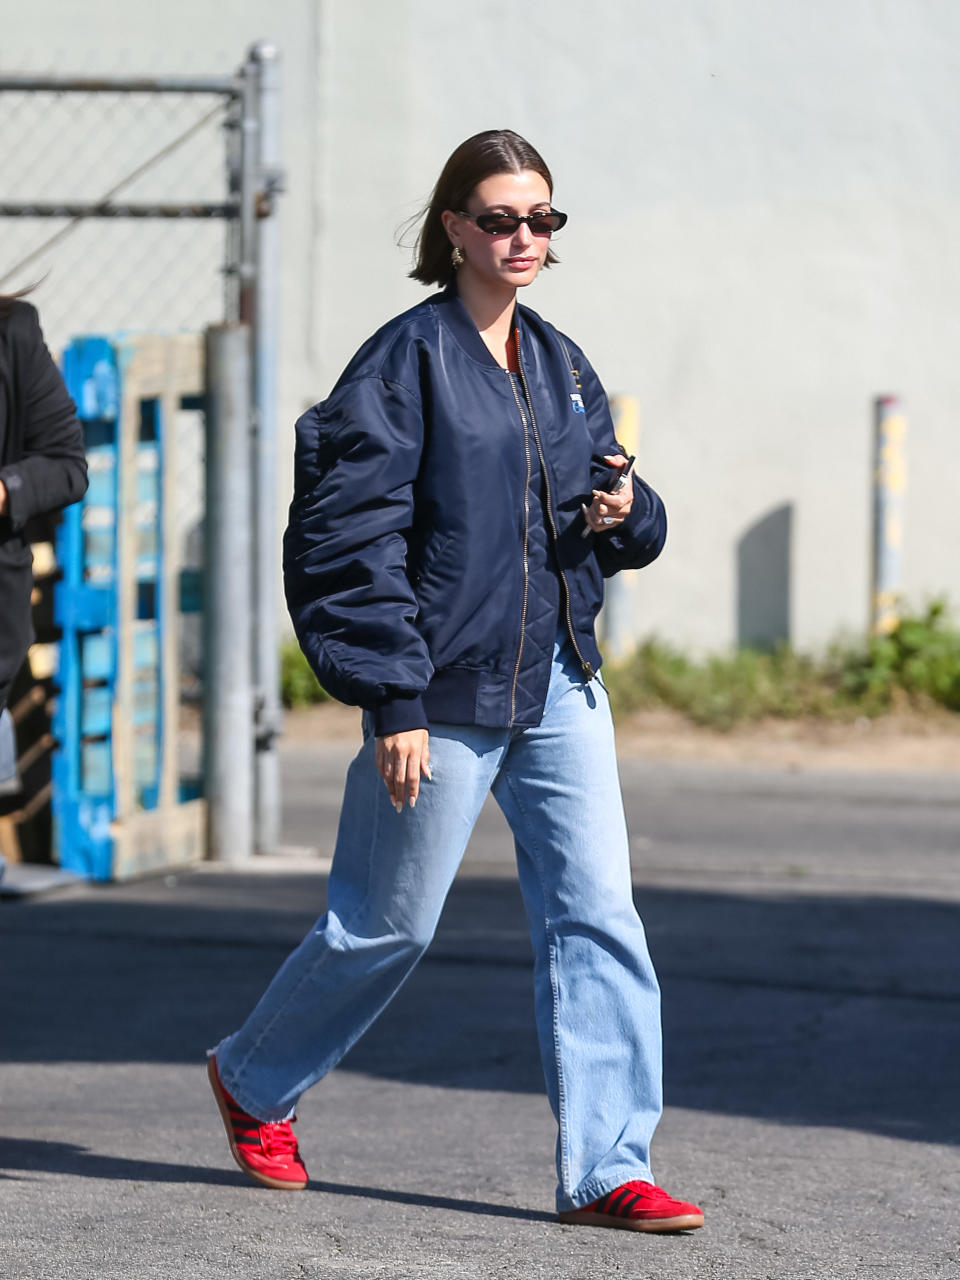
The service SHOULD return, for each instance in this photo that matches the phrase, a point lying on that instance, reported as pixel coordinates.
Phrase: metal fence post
(228, 691)
(266, 558)
(249, 124)
(618, 621)
(889, 488)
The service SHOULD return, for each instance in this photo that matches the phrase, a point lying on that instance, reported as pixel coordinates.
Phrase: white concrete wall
(763, 205)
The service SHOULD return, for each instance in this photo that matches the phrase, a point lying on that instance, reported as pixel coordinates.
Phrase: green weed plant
(920, 658)
(917, 663)
(299, 687)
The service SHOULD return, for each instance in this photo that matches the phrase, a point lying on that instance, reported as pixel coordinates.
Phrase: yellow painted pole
(618, 618)
(626, 421)
(889, 490)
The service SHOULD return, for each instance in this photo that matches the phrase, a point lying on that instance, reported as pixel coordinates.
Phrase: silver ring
(608, 520)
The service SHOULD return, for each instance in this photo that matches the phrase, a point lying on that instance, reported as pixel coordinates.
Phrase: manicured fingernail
(398, 805)
(413, 802)
(427, 774)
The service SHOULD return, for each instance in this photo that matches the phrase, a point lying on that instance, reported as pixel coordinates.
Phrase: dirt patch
(896, 743)
(900, 742)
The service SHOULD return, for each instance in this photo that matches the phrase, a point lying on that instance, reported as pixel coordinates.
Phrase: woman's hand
(401, 759)
(607, 510)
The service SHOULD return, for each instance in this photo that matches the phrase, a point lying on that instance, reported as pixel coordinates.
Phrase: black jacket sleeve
(640, 539)
(51, 471)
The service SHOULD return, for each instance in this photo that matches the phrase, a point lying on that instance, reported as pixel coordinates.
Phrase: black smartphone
(616, 477)
(612, 482)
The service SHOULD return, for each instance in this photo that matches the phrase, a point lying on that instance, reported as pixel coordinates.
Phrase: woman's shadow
(23, 1156)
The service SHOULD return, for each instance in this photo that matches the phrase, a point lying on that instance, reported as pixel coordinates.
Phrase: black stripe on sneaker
(620, 1200)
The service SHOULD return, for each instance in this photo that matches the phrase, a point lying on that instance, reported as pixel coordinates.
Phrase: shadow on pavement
(20, 1156)
(433, 1202)
(814, 1010)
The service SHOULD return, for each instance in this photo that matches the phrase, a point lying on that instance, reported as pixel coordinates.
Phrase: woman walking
(459, 499)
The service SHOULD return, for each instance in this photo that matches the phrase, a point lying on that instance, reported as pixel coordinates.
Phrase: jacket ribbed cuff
(398, 715)
(13, 484)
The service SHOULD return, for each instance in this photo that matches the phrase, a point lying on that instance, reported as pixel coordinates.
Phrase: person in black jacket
(42, 469)
(459, 499)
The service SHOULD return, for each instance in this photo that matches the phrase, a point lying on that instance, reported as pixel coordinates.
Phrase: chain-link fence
(144, 205)
(95, 156)
(148, 152)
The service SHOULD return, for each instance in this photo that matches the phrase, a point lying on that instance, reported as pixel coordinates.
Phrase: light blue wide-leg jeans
(596, 996)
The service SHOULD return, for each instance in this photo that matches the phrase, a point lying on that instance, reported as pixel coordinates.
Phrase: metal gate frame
(255, 179)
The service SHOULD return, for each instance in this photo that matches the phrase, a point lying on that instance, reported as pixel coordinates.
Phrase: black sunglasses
(505, 224)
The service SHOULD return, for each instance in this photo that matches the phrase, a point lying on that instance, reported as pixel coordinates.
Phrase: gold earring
(457, 257)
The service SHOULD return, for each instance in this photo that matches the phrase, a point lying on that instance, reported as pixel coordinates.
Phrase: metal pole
(233, 157)
(26, 83)
(889, 489)
(228, 690)
(249, 149)
(267, 565)
(618, 622)
(111, 209)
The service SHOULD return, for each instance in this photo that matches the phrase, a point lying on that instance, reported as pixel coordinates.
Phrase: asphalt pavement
(805, 927)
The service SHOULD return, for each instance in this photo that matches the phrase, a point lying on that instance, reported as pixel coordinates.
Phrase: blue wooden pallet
(109, 721)
(85, 608)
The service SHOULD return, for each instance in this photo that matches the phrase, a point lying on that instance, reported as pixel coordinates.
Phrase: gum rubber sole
(582, 1218)
(263, 1178)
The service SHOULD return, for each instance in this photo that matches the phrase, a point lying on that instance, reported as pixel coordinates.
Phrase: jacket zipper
(526, 542)
(587, 668)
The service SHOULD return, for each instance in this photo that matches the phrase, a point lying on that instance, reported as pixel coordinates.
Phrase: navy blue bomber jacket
(406, 554)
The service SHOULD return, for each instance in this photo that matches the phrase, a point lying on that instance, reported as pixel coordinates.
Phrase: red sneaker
(265, 1152)
(637, 1206)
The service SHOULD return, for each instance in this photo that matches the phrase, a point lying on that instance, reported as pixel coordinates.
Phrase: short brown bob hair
(480, 157)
